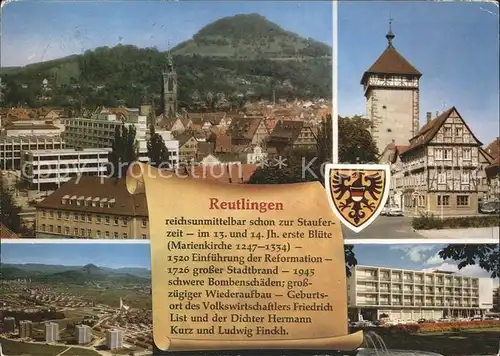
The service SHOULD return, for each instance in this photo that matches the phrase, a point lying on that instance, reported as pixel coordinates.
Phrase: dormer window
(95, 201)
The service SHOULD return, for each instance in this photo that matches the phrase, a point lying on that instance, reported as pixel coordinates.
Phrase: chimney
(429, 116)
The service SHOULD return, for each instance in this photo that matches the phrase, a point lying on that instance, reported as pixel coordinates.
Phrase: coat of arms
(357, 193)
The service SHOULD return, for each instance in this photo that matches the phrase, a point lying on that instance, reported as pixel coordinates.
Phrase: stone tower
(169, 88)
(391, 88)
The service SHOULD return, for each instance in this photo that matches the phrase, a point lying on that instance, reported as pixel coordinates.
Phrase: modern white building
(11, 148)
(83, 334)
(379, 292)
(114, 339)
(50, 168)
(51, 332)
(99, 132)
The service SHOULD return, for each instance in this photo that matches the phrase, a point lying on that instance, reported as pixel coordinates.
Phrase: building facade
(11, 148)
(48, 169)
(114, 339)
(93, 207)
(391, 89)
(25, 329)
(396, 294)
(83, 334)
(51, 332)
(441, 168)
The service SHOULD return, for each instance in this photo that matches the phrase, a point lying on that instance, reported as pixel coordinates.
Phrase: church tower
(169, 89)
(391, 88)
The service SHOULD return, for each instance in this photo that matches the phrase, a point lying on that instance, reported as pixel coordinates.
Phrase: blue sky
(413, 257)
(73, 27)
(67, 254)
(453, 44)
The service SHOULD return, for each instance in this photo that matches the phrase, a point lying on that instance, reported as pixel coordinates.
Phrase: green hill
(240, 58)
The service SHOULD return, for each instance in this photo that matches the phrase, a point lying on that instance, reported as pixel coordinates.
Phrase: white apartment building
(99, 132)
(114, 339)
(380, 292)
(83, 334)
(51, 332)
(43, 169)
(11, 148)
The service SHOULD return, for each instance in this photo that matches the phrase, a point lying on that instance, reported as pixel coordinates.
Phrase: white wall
(485, 293)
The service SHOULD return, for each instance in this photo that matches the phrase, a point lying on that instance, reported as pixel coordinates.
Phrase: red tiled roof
(225, 173)
(391, 62)
(493, 149)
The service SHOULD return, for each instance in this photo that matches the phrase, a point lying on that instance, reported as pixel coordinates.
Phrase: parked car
(490, 208)
(395, 211)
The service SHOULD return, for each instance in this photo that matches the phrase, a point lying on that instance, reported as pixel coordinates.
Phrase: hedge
(454, 326)
(427, 222)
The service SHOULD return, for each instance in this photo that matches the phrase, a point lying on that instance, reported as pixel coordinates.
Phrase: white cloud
(434, 260)
(416, 253)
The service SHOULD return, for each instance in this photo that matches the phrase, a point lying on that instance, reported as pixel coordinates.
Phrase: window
(58, 229)
(144, 223)
(465, 177)
(59, 214)
(43, 213)
(66, 215)
(124, 221)
(467, 154)
(89, 218)
(76, 217)
(89, 233)
(447, 154)
(144, 237)
(439, 154)
(75, 231)
(43, 227)
(98, 233)
(82, 232)
(99, 219)
(462, 200)
(107, 234)
(115, 235)
(116, 221)
(125, 235)
(443, 200)
(442, 178)
(82, 217)
(51, 228)
(458, 132)
(66, 230)
(447, 131)
(51, 214)
(107, 219)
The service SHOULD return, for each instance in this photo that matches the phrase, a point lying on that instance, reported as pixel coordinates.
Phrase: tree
(9, 211)
(157, 151)
(485, 256)
(123, 150)
(356, 144)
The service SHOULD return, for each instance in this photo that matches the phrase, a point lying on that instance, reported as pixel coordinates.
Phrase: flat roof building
(397, 294)
(48, 169)
(11, 148)
(83, 334)
(114, 339)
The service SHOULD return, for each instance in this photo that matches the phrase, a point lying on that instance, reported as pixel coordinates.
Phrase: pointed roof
(391, 62)
(430, 129)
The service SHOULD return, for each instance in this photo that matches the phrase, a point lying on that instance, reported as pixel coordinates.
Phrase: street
(385, 227)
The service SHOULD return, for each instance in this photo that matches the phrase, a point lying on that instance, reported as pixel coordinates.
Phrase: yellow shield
(358, 192)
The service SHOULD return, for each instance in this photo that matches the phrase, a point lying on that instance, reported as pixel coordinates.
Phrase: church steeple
(169, 87)
(390, 35)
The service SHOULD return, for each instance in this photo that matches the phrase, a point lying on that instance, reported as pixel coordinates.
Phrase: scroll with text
(244, 266)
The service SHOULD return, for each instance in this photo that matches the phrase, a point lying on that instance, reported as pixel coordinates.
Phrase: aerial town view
(433, 112)
(71, 308)
(90, 299)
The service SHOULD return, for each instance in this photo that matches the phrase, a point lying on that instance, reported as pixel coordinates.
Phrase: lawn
(470, 342)
(14, 348)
